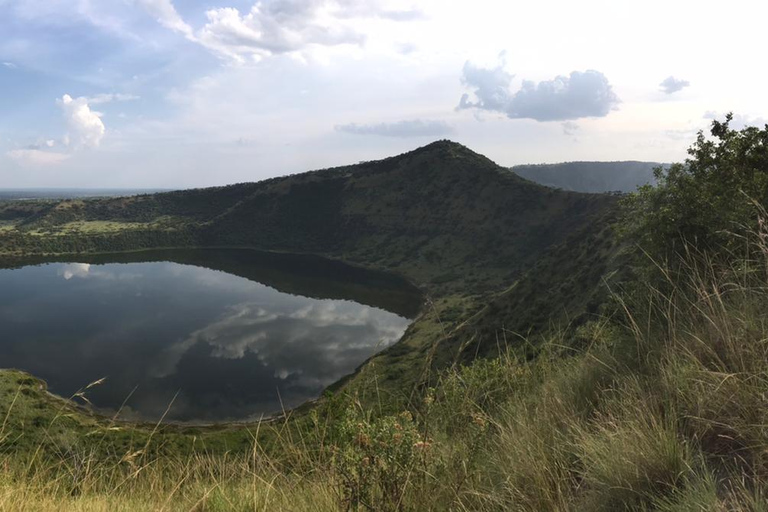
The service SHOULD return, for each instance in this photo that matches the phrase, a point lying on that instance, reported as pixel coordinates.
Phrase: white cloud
(672, 85)
(42, 143)
(36, 157)
(278, 26)
(378, 9)
(274, 28)
(10, 65)
(685, 134)
(406, 48)
(103, 15)
(85, 126)
(85, 130)
(71, 270)
(579, 95)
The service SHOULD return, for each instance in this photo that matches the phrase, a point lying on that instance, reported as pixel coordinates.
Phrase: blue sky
(183, 93)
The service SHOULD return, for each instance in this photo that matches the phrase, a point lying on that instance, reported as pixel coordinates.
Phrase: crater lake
(197, 335)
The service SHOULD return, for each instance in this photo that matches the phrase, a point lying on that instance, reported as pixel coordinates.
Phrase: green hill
(591, 176)
(442, 215)
(488, 248)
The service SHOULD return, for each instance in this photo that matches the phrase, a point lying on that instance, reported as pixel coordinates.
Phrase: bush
(376, 459)
(699, 202)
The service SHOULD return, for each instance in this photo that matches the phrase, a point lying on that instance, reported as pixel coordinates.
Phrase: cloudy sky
(182, 93)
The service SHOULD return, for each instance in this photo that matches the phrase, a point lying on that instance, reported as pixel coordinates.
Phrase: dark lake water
(230, 334)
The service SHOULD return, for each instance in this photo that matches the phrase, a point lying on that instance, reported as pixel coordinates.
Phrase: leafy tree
(719, 191)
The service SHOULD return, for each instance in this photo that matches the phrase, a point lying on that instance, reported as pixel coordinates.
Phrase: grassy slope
(564, 290)
(663, 408)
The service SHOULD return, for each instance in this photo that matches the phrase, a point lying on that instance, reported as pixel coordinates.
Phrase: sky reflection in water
(232, 348)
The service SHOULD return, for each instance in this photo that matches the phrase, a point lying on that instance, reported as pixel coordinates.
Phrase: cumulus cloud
(578, 95)
(671, 85)
(278, 26)
(403, 15)
(32, 157)
(273, 28)
(407, 128)
(85, 126)
(85, 129)
(42, 144)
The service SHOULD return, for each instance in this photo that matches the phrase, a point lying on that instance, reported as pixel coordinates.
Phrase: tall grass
(200, 483)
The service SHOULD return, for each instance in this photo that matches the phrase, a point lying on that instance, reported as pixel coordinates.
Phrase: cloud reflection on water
(70, 270)
(314, 341)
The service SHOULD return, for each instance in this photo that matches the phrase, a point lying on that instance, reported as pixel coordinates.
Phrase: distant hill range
(591, 176)
(20, 194)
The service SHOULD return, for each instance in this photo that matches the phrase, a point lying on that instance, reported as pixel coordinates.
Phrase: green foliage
(700, 203)
(377, 458)
(466, 396)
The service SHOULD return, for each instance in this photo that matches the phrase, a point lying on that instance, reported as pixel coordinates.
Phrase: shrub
(376, 459)
(699, 202)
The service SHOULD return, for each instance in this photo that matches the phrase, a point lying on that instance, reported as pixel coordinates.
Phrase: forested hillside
(592, 177)
(441, 215)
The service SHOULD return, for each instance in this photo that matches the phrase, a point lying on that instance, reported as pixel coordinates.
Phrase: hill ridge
(591, 176)
(426, 214)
